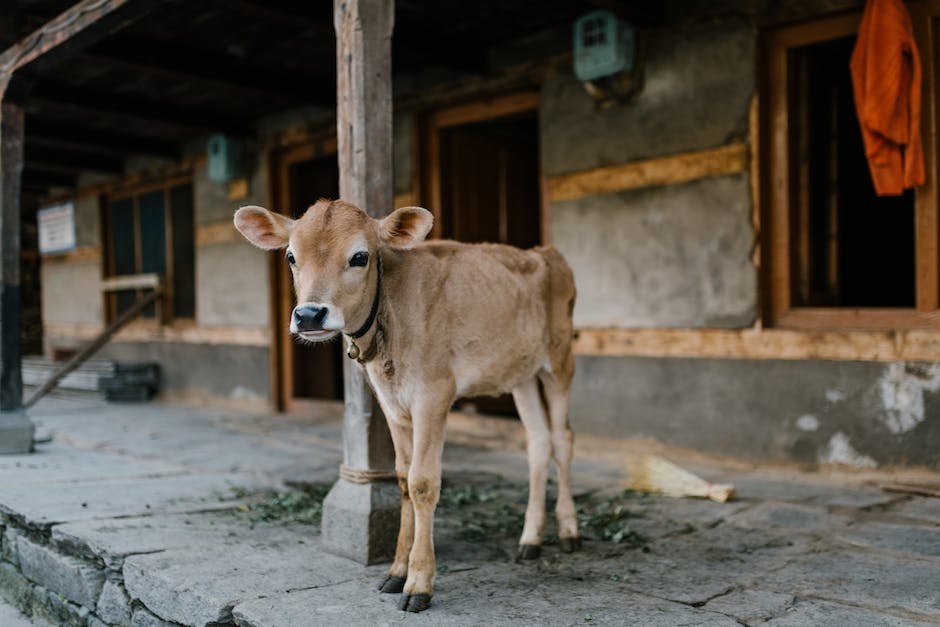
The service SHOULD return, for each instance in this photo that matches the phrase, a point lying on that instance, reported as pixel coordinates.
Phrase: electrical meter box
(225, 158)
(603, 45)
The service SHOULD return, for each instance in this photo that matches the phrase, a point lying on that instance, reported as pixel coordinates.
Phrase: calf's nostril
(309, 318)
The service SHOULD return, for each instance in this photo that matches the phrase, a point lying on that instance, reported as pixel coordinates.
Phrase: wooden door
(308, 372)
(490, 183)
(489, 191)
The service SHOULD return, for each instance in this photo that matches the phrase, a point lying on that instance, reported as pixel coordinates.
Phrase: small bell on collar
(353, 351)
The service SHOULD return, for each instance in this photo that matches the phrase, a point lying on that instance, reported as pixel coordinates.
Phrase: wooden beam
(420, 41)
(36, 178)
(50, 95)
(87, 139)
(178, 332)
(682, 168)
(485, 109)
(316, 23)
(80, 26)
(213, 68)
(841, 345)
(11, 170)
(70, 160)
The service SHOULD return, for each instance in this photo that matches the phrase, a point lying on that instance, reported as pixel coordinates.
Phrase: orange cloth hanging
(886, 79)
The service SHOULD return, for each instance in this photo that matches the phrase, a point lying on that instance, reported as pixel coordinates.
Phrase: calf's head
(334, 251)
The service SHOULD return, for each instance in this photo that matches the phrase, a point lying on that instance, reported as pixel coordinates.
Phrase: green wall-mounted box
(224, 158)
(603, 45)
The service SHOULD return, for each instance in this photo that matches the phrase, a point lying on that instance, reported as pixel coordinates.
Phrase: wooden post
(360, 520)
(16, 430)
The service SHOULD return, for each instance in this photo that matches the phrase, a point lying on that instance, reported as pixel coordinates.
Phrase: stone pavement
(147, 515)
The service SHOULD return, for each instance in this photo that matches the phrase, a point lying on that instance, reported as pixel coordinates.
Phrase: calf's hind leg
(556, 396)
(539, 447)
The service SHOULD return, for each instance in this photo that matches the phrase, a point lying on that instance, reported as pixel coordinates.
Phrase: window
(151, 232)
(835, 254)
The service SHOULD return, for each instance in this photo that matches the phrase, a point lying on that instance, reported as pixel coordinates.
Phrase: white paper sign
(57, 228)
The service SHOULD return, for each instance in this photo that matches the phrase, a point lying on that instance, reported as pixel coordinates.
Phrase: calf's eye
(360, 259)
(290, 258)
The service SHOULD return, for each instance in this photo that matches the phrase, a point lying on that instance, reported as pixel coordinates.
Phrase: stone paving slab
(111, 540)
(751, 606)
(790, 516)
(11, 617)
(827, 614)
(876, 581)
(284, 447)
(201, 585)
(809, 489)
(696, 568)
(58, 462)
(56, 503)
(496, 595)
(923, 509)
(911, 539)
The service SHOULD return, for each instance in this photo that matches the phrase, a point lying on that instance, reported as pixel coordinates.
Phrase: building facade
(741, 289)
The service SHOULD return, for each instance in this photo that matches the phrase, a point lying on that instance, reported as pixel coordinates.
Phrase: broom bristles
(651, 473)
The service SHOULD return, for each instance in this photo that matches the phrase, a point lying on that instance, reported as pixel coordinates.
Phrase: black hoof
(569, 545)
(414, 602)
(529, 551)
(392, 584)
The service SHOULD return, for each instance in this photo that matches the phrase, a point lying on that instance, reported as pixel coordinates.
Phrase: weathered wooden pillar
(361, 512)
(16, 430)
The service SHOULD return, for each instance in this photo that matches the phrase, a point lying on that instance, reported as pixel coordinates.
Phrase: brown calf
(431, 322)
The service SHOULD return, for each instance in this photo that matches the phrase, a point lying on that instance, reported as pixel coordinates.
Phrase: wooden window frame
(164, 314)
(779, 310)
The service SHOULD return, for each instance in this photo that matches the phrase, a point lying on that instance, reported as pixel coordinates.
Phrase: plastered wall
(675, 255)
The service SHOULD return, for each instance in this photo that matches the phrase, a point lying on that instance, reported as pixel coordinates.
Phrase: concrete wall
(856, 413)
(674, 256)
(204, 374)
(668, 256)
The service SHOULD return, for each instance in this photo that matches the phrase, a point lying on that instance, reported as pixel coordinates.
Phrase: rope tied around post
(365, 475)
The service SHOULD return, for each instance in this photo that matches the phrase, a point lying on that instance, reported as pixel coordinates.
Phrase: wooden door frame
(281, 360)
(477, 111)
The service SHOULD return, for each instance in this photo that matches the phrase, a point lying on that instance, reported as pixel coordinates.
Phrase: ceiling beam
(53, 95)
(70, 160)
(168, 59)
(319, 22)
(37, 178)
(80, 26)
(418, 40)
(90, 139)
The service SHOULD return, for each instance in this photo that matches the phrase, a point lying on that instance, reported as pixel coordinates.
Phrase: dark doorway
(490, 192)
(490, 182)
(309, 372)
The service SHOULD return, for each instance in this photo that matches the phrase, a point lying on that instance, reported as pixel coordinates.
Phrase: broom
(651, 473)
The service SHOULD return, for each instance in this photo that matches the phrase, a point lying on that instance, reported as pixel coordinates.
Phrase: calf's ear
(263, 228)
(405, 227)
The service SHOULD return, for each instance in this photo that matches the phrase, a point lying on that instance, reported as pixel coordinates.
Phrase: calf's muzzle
(308, 318)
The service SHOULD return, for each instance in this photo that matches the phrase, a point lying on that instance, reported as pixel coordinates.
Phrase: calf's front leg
(424, 488)
(401, 438)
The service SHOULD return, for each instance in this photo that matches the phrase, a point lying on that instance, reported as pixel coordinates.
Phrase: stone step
(37, 370)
